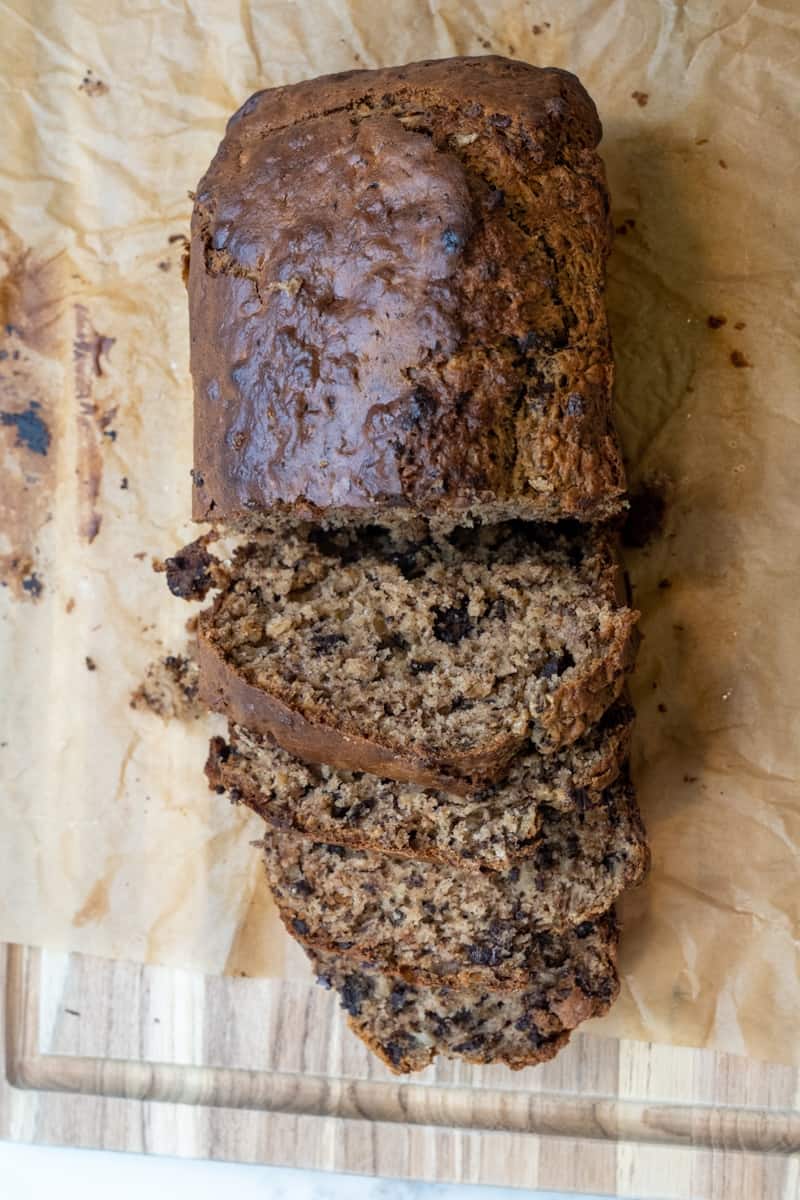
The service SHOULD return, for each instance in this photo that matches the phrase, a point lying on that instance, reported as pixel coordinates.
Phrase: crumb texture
(451, 656)
(408, 1026)
(439, 923)
(495, 827)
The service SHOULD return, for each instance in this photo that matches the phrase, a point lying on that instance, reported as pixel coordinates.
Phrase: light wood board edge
(496, 1110)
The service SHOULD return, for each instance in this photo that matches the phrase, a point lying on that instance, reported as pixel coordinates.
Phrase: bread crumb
(170, 689)
(641, 98)
(740, 360)
(716, 322)
(91, 665)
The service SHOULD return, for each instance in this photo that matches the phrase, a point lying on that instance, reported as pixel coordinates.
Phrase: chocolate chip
(394, 1052)
(301, 887)
(188, 575)
(355, 990)
(584, 929)
(398, 997)
(323, 643)
(557, 664)
(485, 956)
(452, 241)
(574, 404)
(299, 926)
(421, 668)
(554, 953)
(451, 625)
(393, 641)
(580, 798)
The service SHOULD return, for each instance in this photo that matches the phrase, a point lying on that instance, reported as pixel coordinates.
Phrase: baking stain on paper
(31, 382)
(96, 906)
(89, 350)
(257, 947)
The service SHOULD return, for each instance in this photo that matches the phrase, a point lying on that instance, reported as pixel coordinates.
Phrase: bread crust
(396, 294)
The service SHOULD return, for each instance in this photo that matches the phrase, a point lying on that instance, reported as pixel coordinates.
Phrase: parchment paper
(109, 840)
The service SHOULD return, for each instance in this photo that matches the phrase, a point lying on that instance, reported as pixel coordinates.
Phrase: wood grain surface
(120, 1056)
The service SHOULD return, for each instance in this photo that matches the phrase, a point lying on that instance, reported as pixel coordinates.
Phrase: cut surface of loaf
(408, 1026)
(433, 662)
(431, 922)
(396, 296)
(494, 828)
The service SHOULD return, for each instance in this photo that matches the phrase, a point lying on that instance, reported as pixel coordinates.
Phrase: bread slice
(433, 923)
(396, 299)
(408, 1026)
(431, 662)
(494, 828)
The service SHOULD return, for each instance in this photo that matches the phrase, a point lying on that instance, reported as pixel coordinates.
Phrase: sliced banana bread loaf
(494, 828)
(435, 923)
(396, 298)
(408, 1026)
(422, 661)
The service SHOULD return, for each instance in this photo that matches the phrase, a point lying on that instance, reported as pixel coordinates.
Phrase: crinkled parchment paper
(109, 841)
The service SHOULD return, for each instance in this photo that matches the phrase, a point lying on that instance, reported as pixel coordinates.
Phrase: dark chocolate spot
(188, 572)
(355, 990)
(323, 643)
(452, 241)
(557, 665)
(299, 926)
(485, 956)
(398, 997)
(451, 625)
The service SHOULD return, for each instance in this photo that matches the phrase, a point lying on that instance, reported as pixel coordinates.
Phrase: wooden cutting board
(124, 1057)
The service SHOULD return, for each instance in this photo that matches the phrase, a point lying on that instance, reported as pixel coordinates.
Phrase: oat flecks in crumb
(740, 360)
(641, 98)
(170, 689)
